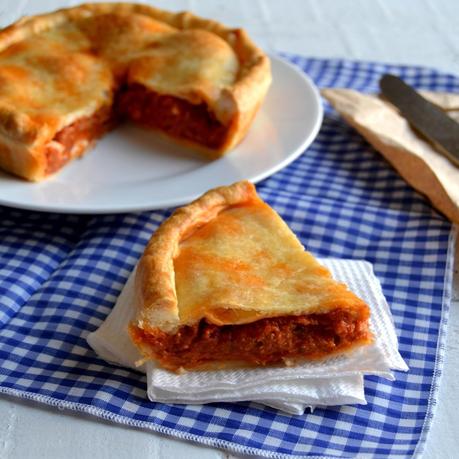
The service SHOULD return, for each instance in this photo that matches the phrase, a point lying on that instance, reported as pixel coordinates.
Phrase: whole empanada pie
(224, 282)
(68, 77)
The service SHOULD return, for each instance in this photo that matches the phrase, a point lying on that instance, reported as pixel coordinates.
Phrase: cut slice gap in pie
(224, 282)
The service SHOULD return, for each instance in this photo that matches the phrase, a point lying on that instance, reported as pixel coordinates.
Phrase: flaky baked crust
(156, 294)
(234, 99)
(307, 289)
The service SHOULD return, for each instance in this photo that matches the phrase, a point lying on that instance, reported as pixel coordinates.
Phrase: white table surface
(419, 32)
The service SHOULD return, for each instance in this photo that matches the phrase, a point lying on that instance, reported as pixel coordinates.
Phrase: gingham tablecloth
(60, 276)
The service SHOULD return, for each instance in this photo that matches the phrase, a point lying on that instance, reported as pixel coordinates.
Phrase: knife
(426, 118)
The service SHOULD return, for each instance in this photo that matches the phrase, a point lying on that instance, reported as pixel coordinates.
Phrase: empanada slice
(225, 282)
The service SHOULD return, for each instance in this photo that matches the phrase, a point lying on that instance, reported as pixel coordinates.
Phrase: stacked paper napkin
(335, 381)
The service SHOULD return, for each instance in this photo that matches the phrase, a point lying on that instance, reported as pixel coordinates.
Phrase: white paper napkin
(335, 381)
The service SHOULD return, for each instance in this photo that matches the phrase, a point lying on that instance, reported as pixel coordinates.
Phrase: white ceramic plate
(132, 170)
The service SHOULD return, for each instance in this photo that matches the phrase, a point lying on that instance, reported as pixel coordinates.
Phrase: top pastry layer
(229, 258)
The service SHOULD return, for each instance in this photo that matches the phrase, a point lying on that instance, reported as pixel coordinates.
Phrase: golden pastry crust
(155, 278)
(226, 269)
(108, 45)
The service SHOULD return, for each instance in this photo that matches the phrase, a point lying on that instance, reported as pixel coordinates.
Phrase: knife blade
(426, 118)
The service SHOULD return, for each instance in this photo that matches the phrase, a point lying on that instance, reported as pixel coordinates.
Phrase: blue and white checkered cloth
(60, 276)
